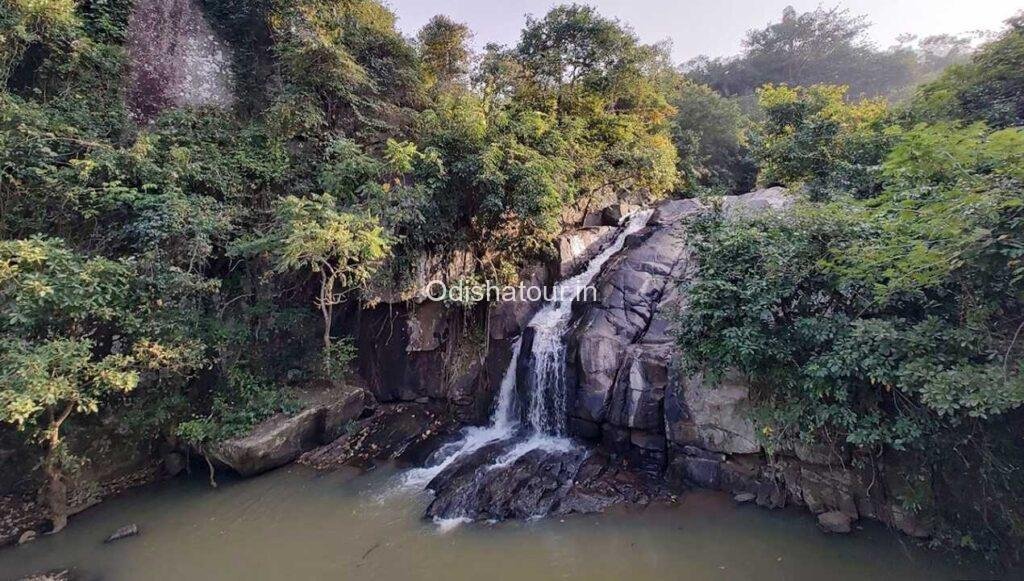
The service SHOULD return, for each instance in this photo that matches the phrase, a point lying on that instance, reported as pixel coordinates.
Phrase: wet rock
(539, 482)
(701, 472)
(339, 414)
(584, 429)
(744, 497)
(27, 537)
(123, 532)
(389, 433)
(835, 522)
(771, 494)
(616, 213)
(577, 247)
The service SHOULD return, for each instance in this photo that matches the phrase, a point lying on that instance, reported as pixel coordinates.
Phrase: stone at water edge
(835, 522)
(744, 497)
(27, 537)
(55, 575)
(123, 532)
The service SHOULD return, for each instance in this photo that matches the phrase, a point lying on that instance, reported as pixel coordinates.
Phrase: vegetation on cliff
(885, 314)
(171, 267)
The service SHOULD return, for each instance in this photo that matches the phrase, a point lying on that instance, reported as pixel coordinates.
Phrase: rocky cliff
(628, 394)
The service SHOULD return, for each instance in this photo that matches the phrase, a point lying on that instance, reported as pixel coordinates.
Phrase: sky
(712, 27)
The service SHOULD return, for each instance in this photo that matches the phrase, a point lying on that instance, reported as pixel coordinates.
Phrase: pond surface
(293, 524)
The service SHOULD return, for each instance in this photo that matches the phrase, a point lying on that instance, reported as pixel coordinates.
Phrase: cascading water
(546, 411)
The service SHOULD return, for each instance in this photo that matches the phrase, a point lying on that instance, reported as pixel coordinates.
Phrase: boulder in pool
(282, 438)
(835, 522)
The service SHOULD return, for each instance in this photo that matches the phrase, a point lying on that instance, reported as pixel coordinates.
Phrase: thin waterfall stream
(545, 412)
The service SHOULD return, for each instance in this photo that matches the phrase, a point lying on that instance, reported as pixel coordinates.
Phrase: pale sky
(713, 27)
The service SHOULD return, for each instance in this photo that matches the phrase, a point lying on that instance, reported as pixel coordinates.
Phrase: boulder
(614, 215)
(535, 483)
(719, 415)
(123, 532)
(282, 438)
(702, 472)
(835, 522)
(341, 412)
(770, 199)
(275, 442)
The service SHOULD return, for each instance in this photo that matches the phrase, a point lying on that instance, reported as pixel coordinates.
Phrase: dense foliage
(886, 319)
(168, 265)
(171, 266)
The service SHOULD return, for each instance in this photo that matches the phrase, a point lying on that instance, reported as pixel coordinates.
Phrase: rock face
(627, 391)
(577, 247)
(620, 349)
(280, 439)
(176, 59)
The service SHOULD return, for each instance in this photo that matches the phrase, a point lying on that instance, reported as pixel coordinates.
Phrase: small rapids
(540, 422)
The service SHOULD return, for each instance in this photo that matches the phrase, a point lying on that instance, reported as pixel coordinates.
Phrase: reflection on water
(293, 524)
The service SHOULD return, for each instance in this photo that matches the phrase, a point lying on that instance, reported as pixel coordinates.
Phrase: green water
(294, 525)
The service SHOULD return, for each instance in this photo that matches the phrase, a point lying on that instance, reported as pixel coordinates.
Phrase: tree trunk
(55, 490)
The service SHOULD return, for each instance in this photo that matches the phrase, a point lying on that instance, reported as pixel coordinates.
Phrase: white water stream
(546, 414)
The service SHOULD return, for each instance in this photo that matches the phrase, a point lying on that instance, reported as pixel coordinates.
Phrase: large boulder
(282, 438)
(273, 443)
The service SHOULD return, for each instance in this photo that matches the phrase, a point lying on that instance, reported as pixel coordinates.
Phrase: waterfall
(547, 414)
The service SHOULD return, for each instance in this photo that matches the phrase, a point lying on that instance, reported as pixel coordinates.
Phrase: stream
(294, 524)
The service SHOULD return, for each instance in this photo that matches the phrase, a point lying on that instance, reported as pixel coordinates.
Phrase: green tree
(55, 309)
(343, 248)
(811, 136)
(823, 46)
(445, 52)
(710, 135)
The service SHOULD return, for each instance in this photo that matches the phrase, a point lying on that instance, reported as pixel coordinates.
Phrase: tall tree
(822, 46)
(444, 51)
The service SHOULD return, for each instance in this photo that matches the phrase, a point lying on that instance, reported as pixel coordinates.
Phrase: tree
(710, 135)
(343, 248)
(988, 88)
(811, 136)
(824, 46)
(444, 51)
(57, 356)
